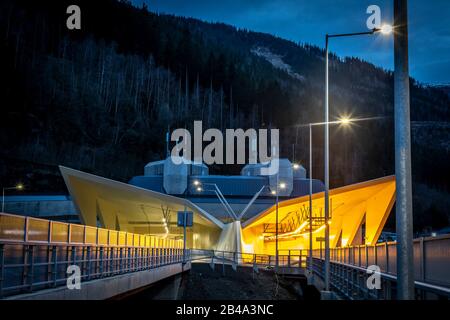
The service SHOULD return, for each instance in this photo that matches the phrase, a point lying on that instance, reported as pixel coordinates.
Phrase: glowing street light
(296, 166)
(385, 29)
(345, 121)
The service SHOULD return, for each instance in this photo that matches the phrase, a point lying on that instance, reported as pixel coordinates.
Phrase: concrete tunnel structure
(357, 215)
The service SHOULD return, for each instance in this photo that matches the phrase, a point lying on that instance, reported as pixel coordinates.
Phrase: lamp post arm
(310, 200)
(341, 35)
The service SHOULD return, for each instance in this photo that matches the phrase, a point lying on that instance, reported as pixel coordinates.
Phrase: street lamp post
(279, 186)
(386, 29)
(404, 228)
(342, 121)
(17, 187)
(276, 227)
(310, 201)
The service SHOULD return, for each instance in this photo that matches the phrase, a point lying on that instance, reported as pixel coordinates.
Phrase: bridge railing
(35, 254)
(431, 265)
(286, 258)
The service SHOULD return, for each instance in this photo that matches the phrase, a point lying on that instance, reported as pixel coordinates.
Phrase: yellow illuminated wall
(122, 207)
(353, 209)
(367, 203)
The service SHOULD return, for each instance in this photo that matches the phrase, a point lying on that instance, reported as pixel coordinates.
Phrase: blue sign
(189, 218)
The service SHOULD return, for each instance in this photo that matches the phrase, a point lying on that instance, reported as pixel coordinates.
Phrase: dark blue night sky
(308, 21)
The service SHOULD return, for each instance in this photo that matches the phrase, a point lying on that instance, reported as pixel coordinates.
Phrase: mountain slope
(101, 99)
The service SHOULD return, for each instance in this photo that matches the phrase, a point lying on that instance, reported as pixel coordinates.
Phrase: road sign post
(185, 219)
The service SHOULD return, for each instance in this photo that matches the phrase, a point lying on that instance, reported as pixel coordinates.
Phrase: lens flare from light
(386, 29)
(345, 120)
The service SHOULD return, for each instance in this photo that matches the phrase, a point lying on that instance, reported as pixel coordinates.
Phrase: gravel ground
(202, 283)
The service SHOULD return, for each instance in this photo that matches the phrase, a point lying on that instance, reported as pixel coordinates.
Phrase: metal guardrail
(348, 269)
(35, 253)
(350, 282)
(286, 258)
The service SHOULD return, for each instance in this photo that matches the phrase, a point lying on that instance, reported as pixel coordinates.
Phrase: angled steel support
(250, 203)
(226, 202)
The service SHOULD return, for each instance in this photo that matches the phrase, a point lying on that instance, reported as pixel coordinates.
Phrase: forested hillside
(101, 99)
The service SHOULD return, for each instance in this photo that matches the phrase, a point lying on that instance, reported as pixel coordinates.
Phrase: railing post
(101, 261)
(49, 264)
(112, 257)
(366, 248)
(73, 254)
(25, 264)
(129, 259)
(109, 259)
(89, 248)
(144, 259)
(375, 252)
(121, 260)
(223, 263)
(136, 259)
(387, 257)
(289, 258)
(158, 257)
(55, 265)
(359, 256)
(2, 267)
(152, 263)
(422, 260)
(31, 272)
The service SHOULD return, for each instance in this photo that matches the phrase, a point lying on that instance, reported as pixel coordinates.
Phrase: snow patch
(276, 61)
